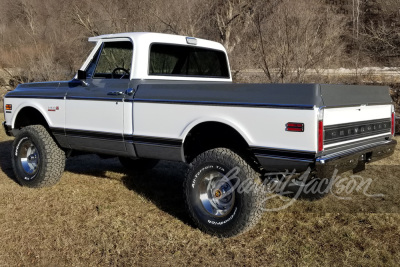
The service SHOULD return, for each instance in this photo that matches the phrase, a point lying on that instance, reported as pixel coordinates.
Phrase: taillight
(393, 121)
(320, 130)
(294, 127)
(320, 135)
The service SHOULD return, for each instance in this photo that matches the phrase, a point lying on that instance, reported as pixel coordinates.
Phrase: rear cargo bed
(305, 96)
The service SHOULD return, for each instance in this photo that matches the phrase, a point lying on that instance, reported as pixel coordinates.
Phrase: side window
(166, 59)
(115, 61)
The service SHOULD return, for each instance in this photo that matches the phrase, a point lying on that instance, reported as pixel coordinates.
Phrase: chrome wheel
(217, 194)
(222, 193)
(28, 156)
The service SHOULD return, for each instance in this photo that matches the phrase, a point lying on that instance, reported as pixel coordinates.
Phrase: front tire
(36, 158)
(223, 193)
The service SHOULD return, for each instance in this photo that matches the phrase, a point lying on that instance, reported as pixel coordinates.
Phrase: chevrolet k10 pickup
(145, 97)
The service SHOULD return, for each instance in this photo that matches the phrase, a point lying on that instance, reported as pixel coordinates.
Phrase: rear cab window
(187, 61)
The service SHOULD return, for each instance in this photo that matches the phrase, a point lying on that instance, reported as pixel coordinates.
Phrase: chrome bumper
(353, 159)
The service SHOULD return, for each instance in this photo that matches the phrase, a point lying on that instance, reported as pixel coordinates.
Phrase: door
(94, 108)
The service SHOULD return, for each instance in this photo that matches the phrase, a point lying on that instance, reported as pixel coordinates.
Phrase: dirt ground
(98, 215)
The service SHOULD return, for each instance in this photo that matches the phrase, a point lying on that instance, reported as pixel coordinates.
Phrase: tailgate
(355, 124)
(355, 115)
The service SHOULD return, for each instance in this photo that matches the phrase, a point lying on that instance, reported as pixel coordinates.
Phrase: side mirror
(81, 75)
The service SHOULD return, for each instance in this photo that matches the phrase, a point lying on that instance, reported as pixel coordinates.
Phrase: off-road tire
(138, 165)
(48, 156)
(246, 187)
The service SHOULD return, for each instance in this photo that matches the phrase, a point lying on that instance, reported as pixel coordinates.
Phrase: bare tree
(286, 38)
(376, 38)
(233, 19)
(84, 19)
(295, 37)
(184, 17)
(356, 17)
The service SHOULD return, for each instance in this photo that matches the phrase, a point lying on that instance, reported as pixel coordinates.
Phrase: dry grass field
(100, 216)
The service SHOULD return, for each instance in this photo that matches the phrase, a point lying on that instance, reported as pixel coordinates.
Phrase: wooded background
(100, 216)
(47, 40)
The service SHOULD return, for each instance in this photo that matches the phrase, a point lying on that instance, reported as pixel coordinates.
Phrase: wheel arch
(29, 115)
(208, 134)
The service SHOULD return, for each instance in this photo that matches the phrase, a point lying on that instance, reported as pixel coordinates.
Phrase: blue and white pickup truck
(143, 97)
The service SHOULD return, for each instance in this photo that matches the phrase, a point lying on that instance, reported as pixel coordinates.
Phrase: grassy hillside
(98, 215)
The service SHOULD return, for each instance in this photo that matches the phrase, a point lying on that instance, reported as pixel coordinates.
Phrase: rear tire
(223, 193)
(36, 158)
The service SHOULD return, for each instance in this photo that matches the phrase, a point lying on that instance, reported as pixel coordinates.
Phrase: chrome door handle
(115, 93)
(129, 91)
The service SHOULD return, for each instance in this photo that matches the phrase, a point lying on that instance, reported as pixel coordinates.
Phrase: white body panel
(99, 116)
(263, 127)
(128, 118)
(334, 116)
(54, 118)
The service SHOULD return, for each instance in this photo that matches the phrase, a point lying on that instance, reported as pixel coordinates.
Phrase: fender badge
(53, 108)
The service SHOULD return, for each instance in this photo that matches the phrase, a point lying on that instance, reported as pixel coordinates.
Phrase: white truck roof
(141, 43)
(146, 38)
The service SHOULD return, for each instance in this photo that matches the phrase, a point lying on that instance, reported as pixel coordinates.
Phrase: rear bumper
(7, 129)
(353, 159)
